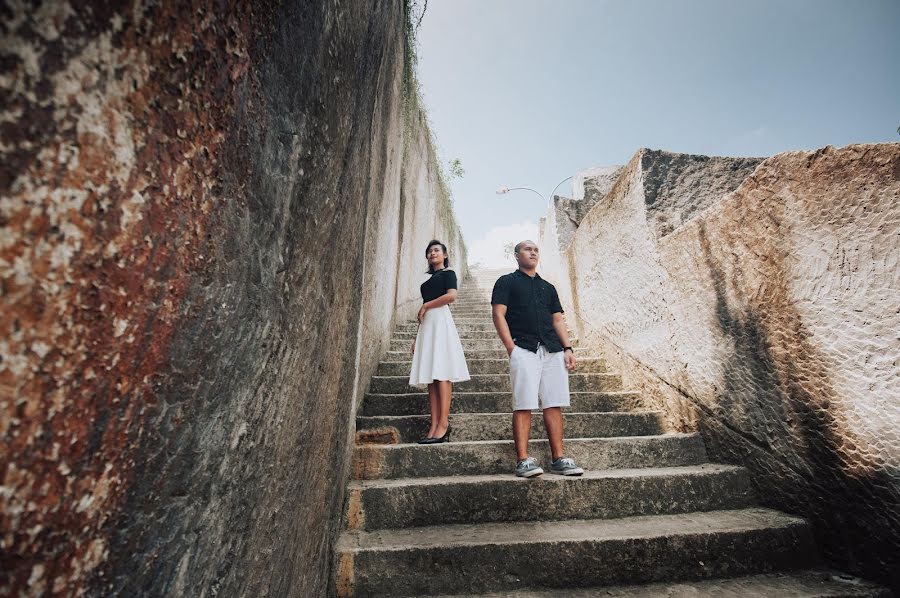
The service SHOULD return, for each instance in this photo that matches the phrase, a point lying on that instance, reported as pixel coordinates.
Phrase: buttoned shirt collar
(536, 275)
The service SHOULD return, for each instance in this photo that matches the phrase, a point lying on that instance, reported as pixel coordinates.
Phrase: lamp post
(505, 190)
(557, 187)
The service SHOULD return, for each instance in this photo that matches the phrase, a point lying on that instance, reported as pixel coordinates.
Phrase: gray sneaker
(565, 466)
(527, 468)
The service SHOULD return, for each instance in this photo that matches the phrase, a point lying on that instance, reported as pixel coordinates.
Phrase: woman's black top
(439, 283)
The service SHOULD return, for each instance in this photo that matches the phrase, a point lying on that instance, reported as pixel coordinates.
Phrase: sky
(529, 92)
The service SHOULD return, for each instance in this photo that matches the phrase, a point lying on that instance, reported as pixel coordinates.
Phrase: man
(529, 321)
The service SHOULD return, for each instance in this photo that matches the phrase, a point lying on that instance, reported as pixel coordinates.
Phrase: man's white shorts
(538, 375)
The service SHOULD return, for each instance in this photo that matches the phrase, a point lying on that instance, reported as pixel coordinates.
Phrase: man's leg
(524, 374)
(521, 432)
(555, 395)
(553, 421)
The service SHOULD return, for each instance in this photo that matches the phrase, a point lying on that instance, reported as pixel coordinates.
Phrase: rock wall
(677, 186)
(589, 187)
(209, 217)
(769, 320)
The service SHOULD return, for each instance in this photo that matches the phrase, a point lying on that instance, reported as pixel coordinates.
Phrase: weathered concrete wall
(677, 186)
(205, 235)
(589, 187)
(593, 184)
(770, 320)
(422, 178)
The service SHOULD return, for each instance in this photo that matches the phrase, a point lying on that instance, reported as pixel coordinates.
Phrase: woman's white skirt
(439, 352)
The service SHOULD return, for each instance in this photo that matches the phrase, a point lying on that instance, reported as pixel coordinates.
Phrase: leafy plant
(456, 169)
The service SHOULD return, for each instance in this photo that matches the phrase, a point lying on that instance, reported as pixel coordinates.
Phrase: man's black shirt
(530, 305)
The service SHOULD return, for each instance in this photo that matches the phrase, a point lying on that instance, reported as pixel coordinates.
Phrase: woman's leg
(433, 408)
(445, 393)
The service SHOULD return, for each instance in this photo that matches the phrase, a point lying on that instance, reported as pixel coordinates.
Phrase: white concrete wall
(770, 320)
(415, 209)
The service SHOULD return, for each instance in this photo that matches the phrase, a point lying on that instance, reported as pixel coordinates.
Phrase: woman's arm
(445, 299)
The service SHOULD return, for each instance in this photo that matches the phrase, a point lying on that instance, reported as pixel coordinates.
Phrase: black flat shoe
(427, 440)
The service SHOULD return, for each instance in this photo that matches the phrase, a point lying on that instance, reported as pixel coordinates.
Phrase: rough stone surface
(496, 426)
(679, 186)
(374, 461)
(770, 320)
(813, 583)
(416, 403)
(599, 494)
(589, 187)
(578, 382)
(593, 184)
(195, 205)
(397, 356)
(504, 556)
(497, 365)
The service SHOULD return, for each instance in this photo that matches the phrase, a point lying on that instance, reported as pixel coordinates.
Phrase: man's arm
(559, 325)
(498, 313)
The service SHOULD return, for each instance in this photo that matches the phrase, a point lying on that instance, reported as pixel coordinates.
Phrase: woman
(438, 359)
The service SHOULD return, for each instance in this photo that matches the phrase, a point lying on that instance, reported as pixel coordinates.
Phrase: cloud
(489, 250)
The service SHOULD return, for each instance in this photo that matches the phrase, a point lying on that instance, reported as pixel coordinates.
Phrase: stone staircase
(451, 519)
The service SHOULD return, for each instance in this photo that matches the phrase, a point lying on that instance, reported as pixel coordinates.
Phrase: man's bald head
(521, 243)
(527, 255)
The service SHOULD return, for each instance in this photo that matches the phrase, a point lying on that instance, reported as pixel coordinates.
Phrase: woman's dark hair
(444, 248)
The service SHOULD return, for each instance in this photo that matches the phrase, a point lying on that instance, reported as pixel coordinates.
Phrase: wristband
(568, 349)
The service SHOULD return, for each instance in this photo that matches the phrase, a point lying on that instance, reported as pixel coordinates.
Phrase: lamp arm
(557, 187)
(526, 189)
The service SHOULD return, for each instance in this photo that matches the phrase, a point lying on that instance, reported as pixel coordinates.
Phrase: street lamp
(557, 187)
(505, 190)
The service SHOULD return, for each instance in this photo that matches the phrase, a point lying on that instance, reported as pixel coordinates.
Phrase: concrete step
(416, 403)
(399, 429)
(465, 332)
(490, 353)
(599, 494)
(486, 557)
(468, 334)
(583, 382)
(472, 331)
(809, 583)
(470, 315)
(459, 321)
(483, 344)
(592, 365)
(389, 461)
(487, 326)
